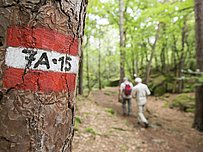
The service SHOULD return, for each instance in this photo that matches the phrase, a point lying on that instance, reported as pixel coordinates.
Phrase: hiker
(141, 92)
(125, 95)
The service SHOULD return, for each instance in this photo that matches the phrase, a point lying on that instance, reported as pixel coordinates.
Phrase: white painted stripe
(38, 59)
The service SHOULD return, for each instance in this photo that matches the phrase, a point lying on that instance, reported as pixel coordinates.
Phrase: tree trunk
(182, 59)
(99, 64)
(121, 30)
(148, 68)
(134, 59)
(133, 63)
(80, 75)
(175, 57)
(41, 43)
(87, 71)
(142, 57)
(163, 57)
(198, 119)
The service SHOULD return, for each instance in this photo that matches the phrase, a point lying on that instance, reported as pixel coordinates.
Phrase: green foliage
(114, 82)
(110, 111)
(141, 20)
(200, 80)
(184, 102)
(158, 84)
(77, 122)
(90, 130)
(159, 91)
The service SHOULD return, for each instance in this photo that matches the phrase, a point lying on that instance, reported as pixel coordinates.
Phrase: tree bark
(148, 68)
(198, 119)
(87, 70)
(121, 30)
(80, 75)
(35, 116)
(182, 58)
(163, 57)
(99, 62)
(174, 62)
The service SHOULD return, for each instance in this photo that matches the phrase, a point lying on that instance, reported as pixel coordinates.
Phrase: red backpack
(127, 90)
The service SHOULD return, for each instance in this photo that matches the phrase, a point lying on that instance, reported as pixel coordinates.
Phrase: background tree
(176, 39)
(80, 75)
(122, 43)
(198, 120)
(152, 53)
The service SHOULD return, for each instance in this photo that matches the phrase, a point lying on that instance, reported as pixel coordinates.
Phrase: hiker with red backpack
(125, 93)
(141, 92)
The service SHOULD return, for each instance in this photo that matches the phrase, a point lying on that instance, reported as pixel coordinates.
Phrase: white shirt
(141, 91)
(122, 87)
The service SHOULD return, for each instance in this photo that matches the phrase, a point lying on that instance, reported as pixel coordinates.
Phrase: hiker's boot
(146, 125)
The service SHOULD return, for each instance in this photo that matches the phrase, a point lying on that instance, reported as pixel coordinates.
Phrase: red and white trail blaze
(40, 59)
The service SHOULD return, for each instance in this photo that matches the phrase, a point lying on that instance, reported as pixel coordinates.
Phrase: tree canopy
(159, 39)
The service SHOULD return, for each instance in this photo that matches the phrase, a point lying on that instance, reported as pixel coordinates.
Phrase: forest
(158, 44)
(156, 40)
(63, 63)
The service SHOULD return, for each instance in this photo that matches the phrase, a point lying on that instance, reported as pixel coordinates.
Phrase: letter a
(43, 60)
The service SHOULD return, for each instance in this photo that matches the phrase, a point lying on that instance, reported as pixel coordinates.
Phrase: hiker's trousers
(128, 102)
(141, 118)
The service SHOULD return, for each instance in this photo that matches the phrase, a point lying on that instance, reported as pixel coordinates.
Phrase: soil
(101, 127)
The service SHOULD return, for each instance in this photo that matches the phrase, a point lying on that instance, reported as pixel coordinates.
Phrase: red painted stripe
(41, 38)
(38, 80)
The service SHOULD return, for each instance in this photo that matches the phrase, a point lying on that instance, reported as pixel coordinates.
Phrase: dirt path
(104, 129)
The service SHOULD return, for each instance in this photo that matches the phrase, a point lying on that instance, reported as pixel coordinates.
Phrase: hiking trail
(101, 127)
